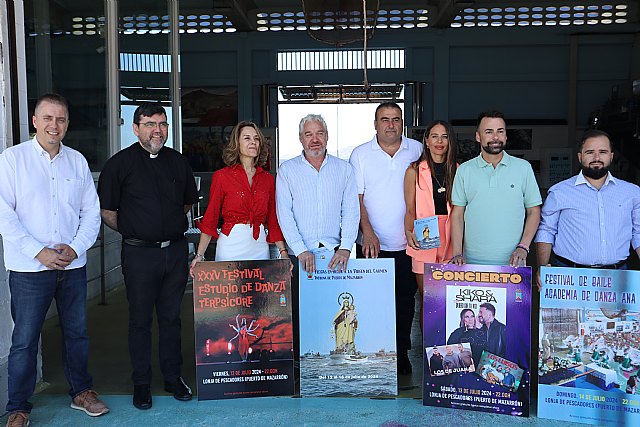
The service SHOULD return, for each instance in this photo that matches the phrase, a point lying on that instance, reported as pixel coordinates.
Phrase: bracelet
(525, 247)
(199, 255)
(283, 250)
(455, 257)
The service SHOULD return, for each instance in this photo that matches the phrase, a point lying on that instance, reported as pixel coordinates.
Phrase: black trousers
(406, 288)
(155, 278)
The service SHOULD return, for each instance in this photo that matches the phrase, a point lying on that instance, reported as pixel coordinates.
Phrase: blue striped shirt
(317, 207)
(590, 226)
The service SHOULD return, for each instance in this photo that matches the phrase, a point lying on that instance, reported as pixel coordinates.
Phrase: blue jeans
(31, 296)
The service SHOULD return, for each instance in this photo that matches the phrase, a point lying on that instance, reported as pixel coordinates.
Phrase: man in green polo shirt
(496, 201)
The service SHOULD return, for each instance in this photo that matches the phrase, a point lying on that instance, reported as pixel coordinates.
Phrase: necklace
(441, 188)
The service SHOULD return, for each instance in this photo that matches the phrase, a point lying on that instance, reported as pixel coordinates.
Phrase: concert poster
(243, 329)
(347, 329)
(589, 346)
(477, 325)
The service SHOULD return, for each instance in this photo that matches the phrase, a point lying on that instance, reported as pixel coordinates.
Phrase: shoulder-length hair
(231, 151)
(450, 160)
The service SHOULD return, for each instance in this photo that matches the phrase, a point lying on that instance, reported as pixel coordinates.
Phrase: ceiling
(441, 13)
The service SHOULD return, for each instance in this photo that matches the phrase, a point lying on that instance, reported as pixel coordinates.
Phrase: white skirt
(240, 245)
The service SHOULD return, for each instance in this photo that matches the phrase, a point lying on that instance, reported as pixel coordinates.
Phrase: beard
(153, 146)
(493, 150)
(595, 173)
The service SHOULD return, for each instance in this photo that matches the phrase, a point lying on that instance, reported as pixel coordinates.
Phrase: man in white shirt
(49, 218)
(379, 166)
(317, 207)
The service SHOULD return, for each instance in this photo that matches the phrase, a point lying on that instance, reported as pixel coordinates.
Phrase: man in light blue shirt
(590, 220)
(316, 199)
(496, 201)
(317, 207)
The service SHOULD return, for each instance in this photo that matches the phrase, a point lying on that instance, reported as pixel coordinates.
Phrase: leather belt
(602, 266)
(147, 244)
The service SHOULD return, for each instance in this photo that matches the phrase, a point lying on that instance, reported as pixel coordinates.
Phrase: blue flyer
(427, 232)
(589, 346)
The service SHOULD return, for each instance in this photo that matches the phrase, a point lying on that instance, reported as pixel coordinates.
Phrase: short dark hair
(493, 114)
(489, 307)
(53, 98)
(594, 133)
(387, 104)
(148, 109)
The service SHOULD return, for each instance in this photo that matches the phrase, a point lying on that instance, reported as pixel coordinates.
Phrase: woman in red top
(243, 193)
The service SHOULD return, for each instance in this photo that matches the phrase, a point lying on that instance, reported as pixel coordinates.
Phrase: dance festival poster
(347, 329)
(477, 326)
(589, 346)
(243, 329)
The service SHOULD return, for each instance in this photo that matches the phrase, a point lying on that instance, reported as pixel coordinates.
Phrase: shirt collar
(42, 152)
(580, 179)
(142, 150)
(239, 168)
(375, 146)
(481, 162)
(324, 161)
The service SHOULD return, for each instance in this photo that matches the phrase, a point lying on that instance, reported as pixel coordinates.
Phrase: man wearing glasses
(145, 192)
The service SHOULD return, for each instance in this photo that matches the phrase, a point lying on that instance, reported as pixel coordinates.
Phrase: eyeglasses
(152, 125)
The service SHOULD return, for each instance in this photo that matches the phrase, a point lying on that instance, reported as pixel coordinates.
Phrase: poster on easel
(589, 346)
(347, 329)
(243, 329)
(477, 338)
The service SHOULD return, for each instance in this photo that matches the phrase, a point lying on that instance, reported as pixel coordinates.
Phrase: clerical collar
(152, 156)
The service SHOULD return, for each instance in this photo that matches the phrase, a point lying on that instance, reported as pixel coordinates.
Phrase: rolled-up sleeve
(209, 222)
(548, 228)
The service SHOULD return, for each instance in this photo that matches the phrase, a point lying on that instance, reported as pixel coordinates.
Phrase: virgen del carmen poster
(477, 338)
(243, 329)
(347, 329)
(589, 346)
